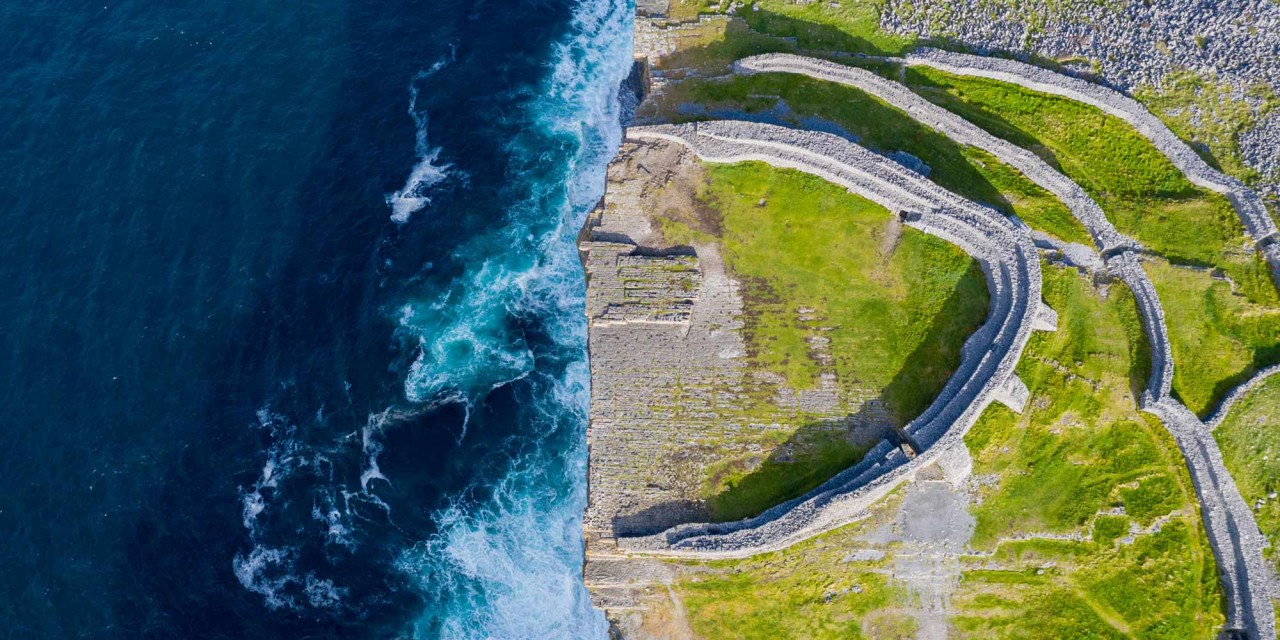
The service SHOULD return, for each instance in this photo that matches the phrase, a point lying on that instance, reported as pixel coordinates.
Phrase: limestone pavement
(1232, 530)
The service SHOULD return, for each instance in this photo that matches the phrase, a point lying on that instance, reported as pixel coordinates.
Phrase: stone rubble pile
(1132, 44)
(1008, 257)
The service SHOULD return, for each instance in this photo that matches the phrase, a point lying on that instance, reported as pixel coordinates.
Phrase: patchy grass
(808, 591)
(832, 285)
(1218, 339)
(807, 103)
(1207, 112)
(1250, 442)
(828, 276)
(1080, 438)
(1161, 585)
(1144, 195)
(1081, 448)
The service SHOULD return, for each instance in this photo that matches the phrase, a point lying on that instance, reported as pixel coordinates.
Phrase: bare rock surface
(1003, 248)
(1128, 45)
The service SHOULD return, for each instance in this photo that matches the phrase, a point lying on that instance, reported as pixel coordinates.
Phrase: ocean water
(292, 329)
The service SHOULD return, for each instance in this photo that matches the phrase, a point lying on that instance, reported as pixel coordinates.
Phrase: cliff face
(676, 399)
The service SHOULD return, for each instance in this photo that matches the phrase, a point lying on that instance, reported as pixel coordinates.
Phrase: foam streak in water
(510, 566)
(412, 197)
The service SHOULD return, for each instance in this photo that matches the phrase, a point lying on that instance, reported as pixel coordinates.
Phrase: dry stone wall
(1232, 529)
(1081, 205)
(1249, 206)
(1235, 43)
(1239, 392)
(1008, 256)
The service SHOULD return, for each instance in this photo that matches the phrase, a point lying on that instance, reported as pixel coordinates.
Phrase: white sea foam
(412, 197)
(510, 567)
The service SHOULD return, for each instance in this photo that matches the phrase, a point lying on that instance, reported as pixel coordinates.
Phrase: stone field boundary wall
(1249, 206)
(1237, 542)
(1009, 259)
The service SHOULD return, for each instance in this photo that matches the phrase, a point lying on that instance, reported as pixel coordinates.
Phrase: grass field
(1081, 462)
(1080, 450)
(1250, 441)
(1144, 195)
(804, 102)
(831, 284)
(1220, 331)
(1218, 339)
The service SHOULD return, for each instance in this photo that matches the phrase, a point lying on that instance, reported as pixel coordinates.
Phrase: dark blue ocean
(291, 315)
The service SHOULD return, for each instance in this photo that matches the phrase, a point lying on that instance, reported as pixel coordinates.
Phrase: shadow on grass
(1263, 357)
(819, 450)
(926, 371)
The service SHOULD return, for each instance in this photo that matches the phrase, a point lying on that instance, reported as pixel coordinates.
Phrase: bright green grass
(1144, 195)
(969, 172)
(815, 262)
(804, 592)
(1080, 437)
(1218, 339)
(895, 313)
(1250, 442)
(1080, 448)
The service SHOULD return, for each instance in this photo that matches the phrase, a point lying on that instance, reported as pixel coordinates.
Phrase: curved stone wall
(1008, 257)
(1236, 394)
(1232, 530)
(1249, 206)
(1071, 194)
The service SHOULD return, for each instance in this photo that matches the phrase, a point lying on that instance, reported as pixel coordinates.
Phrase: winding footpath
(1232, 530)
(1007, 254)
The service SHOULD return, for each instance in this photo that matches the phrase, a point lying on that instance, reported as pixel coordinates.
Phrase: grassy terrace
(1221, 330)
(831, 283)
(804, 102)
(1080, 462)
(1080, 450)
(1250, 441)
(1219, 339)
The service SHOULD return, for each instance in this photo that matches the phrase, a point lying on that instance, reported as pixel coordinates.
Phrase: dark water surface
(291, 327)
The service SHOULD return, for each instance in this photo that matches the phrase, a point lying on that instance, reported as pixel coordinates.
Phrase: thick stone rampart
(1232, 529)
(1249, 206)
(1071, 194)
(1008, 257)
